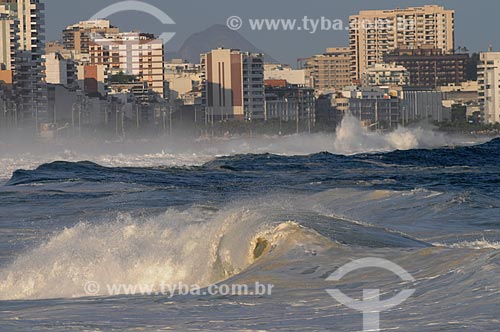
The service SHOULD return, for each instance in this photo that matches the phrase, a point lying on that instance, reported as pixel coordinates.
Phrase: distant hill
(211, 38)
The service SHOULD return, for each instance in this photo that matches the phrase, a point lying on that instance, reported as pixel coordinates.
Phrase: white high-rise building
(489, 86)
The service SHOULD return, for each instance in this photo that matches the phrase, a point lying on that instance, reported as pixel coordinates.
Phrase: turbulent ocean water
(278, 211)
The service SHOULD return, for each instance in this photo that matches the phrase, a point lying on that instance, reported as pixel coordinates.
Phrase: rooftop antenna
(490, 48)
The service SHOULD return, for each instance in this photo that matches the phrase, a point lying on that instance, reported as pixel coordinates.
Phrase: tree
(121, 77)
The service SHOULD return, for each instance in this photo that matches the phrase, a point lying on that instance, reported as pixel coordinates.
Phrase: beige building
(489, 86)
(28, 75)
(9, 41)
(183, 77)
(330, 71)
(131, 53)
(233, 84)
(385, 74)
(31, 18)
(281, 72)
(374, 33)
(60, 71)
(92, 78)
(56, 69)
(58, 47)
(77, 37)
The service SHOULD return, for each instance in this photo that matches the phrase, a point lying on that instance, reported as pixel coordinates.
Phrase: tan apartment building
(131, 53)
(9, 42)
(330, 71)
(77, 37)
(233, 84)
(374, 33)
(28, 75)
(183, 78)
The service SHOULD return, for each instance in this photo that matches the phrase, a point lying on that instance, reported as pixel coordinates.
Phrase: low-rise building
(423, 104)
(289, 102)
(381, 113)
(330, 110)
(364, 92)
(373, 106)
(467, 92)
(283, 72)
(386, 75)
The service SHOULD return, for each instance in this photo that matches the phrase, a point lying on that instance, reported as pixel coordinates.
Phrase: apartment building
(9, 44)
(77, 37)
(131, 53)
(184, 79)
(60, 71)
(489, 86)
(28, 75)
(330, 71)
(233, 84)
(422, 104)
(290, 103)
(285, 72)
(374, 106)
(374, 33)
(386, 75)
(92, 79)
(430, 67)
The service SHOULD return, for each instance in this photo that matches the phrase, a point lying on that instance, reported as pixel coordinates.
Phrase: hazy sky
(477, 22)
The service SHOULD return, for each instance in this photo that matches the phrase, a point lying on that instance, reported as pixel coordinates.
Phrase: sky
(477, 23)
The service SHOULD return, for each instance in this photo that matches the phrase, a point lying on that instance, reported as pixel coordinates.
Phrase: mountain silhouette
(215, 36)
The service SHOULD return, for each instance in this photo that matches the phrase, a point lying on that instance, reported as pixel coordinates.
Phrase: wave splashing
(198, 246)
(352, 138)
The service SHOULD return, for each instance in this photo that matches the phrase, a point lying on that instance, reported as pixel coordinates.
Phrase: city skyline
(116, 77)
(476, 37)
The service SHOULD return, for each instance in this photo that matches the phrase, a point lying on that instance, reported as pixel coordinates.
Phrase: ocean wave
(198, 246)
(478, 245)
(350, 139)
